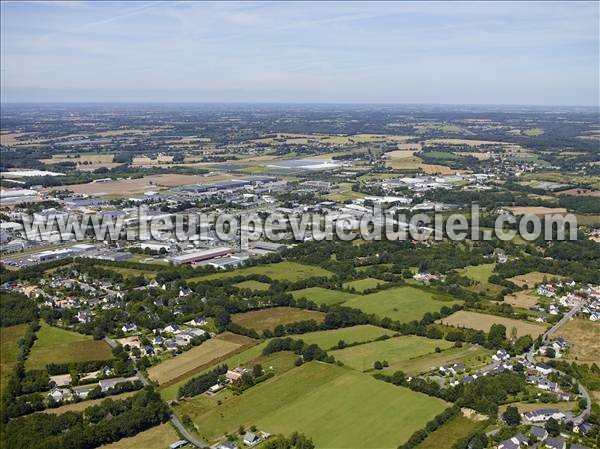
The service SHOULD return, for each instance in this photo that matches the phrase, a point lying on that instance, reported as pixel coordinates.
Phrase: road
(178, 424)
(582, 391)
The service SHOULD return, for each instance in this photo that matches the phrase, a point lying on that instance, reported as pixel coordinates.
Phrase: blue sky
(421, 52)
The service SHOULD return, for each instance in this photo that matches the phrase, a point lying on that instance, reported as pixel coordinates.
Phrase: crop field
(281, 271)
(585, 335)
(481, 321)
(55, 345)
(85, 161)
(253, 285)
(361, 285)
(196, 359)
(392, 350)
(524, 299)
(470, 355)
(320, 295)
(449, 433)
(536, 210)
(401, 303)
(238, 358)
(159, 437)
(533, 278)
(355, 334)
(312, 396)
(263, 319)
(9, 350)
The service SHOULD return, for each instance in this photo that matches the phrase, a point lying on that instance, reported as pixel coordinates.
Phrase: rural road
(178, 424)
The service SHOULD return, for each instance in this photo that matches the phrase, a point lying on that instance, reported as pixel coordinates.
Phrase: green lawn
(364, 284)
(354, 334)
(393, 350)
(320, 295)
(335, 406)
(401, 303)
(253, 285)
(9, 350)
(282, 271)
(54, 345)
(448, 434)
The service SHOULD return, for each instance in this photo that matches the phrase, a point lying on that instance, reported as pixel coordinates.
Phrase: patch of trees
(306, 351)
(582, 204)
(419, 436)
(16, 309)
(588, 375)
(33, 272)
(294, 441)
(97, 425)
(199, 384)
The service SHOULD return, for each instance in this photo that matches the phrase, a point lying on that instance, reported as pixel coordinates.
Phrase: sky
(531, 53)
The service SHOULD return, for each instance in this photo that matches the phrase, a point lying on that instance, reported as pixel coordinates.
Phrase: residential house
(543, 415)
(128, 327)
(178, 444)
(556, 443)
(538, 433)
(251, 439)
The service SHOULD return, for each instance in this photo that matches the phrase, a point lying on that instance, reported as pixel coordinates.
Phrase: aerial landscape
(247, 225)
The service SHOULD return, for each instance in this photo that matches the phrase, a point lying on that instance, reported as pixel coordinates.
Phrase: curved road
(176, 422)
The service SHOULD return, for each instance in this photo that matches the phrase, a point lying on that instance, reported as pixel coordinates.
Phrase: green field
(361, 285)
(253, 285)
(481, 274)
(54, 345)
(270, 318)
(471, 356)
(9, 350)
(132, 272)
(321, 295)
(401, 303)
(282, 271)
(448, 434)
(393, 350)
(335, 406)
(354, 334)
(159, 437)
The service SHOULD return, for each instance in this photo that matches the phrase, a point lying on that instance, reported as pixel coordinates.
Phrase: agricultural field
(470, 355)
(282, 271)
(355, 334)
(55, 345)
(536, 210)
(481, 274)
(241, 357)
(523, 299)
(253, 285)
(401, 303)
(528, 407)
(9, 350)
(196, 359)
(312, 395)
(264, 319)
(449, 433)
(533, 278)
(585, 335)
(361, 285)
(393, 350)
(84, 161)
(481, 321)
(159, 437)
(320, 295)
